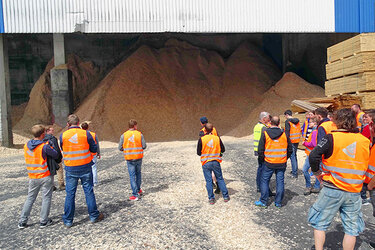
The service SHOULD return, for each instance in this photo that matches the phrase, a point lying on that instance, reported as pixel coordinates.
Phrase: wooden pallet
(351, 84)
(352, 46)
(368, 100)
(351, 65)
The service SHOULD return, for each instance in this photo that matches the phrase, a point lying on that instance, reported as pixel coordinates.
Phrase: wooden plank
(368, 100)
(350, 84)
(351, 65)
(349, 47)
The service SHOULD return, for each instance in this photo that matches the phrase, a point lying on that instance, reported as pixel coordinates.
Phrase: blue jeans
(329, 202)
(259, 172)
(134, 169)
(71, 183)
(265, 183)
(306, 173)
(94, 170)
(293, 159)
(208, 168)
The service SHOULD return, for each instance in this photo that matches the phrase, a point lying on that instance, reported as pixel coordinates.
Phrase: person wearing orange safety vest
(359, 116)
(77, 146)
(132, 144)
(305, 125)
(95, 156)
(203, 132)
(294, 132)
(310, 144)
(325, 125)
(36, 152)
(340, 161)
(274, 150)
(210, 148)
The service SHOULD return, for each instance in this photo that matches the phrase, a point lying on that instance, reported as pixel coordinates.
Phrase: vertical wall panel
(129, 16)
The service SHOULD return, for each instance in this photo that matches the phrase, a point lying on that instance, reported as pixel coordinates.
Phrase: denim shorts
(331, 201)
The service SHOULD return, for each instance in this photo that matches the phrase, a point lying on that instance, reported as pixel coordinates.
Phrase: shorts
(331, 201)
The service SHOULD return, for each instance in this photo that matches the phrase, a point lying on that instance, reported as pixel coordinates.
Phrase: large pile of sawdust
(168, 89)
(277, 99)
(86, 77)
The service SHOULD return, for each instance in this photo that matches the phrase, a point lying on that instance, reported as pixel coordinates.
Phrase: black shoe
(43, 225)
(294, 176)
(226, 199)
(315, 190)
(211, 201)
(61, 188)
(214, 186)
(372, 244)
(272, 194)
(22, 225)
(54, 188)
(100, 218)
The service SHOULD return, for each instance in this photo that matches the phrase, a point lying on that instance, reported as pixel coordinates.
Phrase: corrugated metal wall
(133, 16)
(355, 16)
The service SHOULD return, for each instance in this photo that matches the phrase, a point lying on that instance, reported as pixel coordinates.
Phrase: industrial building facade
(59, 17)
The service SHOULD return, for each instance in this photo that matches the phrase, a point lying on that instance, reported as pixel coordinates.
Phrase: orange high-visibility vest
(349, 161)
(309, 149)
(76, 149)
(305, 128)
(214, 132)
(328, 126)
(94, 137)
(371, 166)
(295, 132)
(276, 150)
(35, 164)
(358, 117)
(132, 145)
(210, 149)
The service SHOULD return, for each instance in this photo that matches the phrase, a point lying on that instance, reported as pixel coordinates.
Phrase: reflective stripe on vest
(35, 164)
(347, 166)
(132, 145)
(210, 149)
(358, 118)
(295, 132)
(275, 150)
(305, 128)
(371, 169)
(257, 134)
(76, 149)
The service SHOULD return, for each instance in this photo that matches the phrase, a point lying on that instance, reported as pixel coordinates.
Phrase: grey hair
(263, 115)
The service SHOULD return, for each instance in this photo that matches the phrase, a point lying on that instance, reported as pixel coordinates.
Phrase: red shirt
(366, 131)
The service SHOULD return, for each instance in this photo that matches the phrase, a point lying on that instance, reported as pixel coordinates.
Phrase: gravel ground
(174, 212)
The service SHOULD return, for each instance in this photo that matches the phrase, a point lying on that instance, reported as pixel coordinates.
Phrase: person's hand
(98, 156)
(320, 177)
(371, 184)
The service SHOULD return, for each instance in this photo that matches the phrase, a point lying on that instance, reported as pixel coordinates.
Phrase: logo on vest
(210, 143)
(74, 139)
(131, 139)
(351, 150)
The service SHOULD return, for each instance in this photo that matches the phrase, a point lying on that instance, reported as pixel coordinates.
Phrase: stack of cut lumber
(351, 69)
(331, 103)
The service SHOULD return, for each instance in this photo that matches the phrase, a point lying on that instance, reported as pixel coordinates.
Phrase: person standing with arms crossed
(210, 148)
(36, 152)
(132, 143)
(77, 146)
(343, 156)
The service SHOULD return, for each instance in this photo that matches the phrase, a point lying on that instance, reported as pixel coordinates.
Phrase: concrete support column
(61, 83)
(6, 136)
(58, 49)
